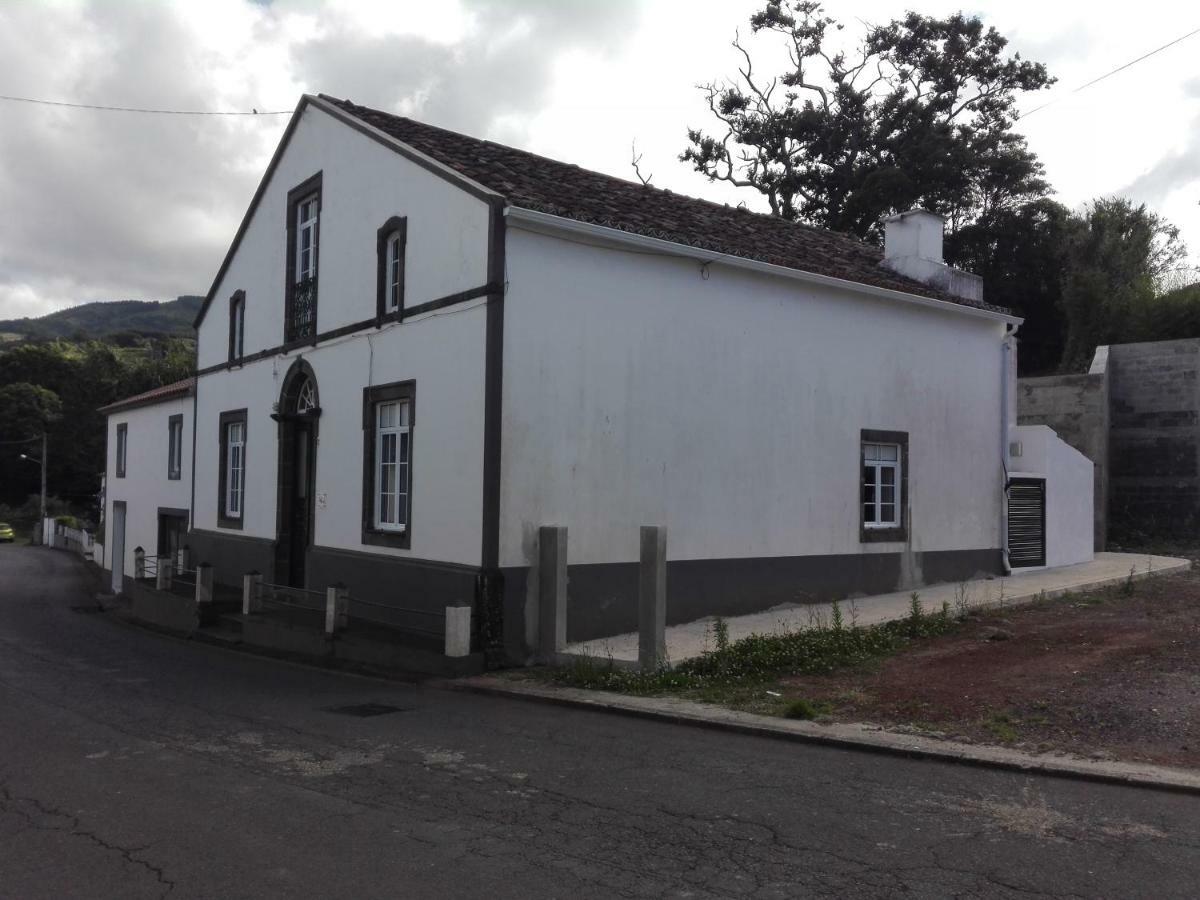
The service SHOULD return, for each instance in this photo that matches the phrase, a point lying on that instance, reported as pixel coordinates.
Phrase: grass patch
(1002, 726)
(755, 660)
(801, 708)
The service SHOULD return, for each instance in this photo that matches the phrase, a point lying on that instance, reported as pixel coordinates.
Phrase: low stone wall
(164, 610)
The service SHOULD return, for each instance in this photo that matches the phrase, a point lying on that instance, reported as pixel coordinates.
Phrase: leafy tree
(921, 115)
(1115, 255)
(84, 377)
(27, 410)
(1020, 253)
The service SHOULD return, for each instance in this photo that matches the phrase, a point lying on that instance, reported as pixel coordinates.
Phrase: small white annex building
(422, 346)
(148, 478)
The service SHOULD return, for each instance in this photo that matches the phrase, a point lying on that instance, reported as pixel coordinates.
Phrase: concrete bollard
(552, 591)
(139, 563)
(337, 608)
(251, 593)
(458, 630)
(204, 585)
(182, 558)
(162, 581)
(652, 598)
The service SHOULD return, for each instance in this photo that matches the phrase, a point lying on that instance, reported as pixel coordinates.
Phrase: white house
(422, 346)
(148, 479)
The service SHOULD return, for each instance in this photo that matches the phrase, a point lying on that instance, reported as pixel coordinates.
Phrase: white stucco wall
(363, 185)
(443, 352)
(1069, 491)
(145, 486)
(729, 408)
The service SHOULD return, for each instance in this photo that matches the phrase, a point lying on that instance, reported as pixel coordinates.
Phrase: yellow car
(6, 533)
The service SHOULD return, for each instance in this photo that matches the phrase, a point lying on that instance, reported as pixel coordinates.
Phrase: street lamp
(43, 463)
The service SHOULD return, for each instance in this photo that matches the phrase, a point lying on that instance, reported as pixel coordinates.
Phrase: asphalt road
(135, 766)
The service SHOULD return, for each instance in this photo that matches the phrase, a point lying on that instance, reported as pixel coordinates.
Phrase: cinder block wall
(1155, 436)
(1077, 408)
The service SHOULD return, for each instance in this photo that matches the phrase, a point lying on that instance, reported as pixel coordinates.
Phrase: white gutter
(603, 235)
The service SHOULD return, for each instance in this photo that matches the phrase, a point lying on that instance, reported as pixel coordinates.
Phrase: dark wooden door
(300, 513)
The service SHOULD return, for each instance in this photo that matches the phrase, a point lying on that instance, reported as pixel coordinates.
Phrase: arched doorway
(298, 413)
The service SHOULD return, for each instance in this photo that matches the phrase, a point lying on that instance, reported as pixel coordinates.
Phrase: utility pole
(43, 487)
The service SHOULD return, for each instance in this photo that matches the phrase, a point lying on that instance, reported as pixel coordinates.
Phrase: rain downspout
(1005, 364)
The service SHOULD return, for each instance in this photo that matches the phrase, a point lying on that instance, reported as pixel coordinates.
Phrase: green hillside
(108, 318)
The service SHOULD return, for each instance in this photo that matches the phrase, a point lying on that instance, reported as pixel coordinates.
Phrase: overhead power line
(157, 112)
(1132, 62)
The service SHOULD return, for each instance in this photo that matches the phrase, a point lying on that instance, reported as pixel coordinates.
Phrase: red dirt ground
(1103, 675)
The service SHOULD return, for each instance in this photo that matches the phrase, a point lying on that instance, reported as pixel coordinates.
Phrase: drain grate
(365, 710)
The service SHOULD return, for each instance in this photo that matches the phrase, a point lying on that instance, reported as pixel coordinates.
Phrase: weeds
(1127, 586)
(962, 600)
(837, 622)
(720, 633)
(801, 709)
(752, 660)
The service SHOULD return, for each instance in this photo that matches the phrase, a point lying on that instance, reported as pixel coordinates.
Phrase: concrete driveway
(137, 766)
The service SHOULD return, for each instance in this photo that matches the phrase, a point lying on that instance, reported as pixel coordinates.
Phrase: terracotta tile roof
(561, 189)
(155, 395)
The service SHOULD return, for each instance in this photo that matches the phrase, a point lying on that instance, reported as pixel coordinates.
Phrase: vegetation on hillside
(125, 319)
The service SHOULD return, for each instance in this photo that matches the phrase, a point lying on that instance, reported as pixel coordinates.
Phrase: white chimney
(912, 246)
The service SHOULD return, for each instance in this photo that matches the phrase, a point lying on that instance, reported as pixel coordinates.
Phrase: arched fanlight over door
(306, 397)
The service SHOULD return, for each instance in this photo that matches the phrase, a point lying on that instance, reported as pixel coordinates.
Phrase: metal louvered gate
(1027, 522)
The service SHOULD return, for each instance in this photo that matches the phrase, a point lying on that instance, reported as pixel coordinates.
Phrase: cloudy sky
(108, 205)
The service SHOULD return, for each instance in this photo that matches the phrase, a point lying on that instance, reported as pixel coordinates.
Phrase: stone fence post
(458, 630)
(139, 563)
(251, 593)
(204, 585)
(162, 580)
(652, 598)
(337, 608)
(552, 592)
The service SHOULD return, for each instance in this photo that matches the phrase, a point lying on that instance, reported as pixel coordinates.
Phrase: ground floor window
(233, 469)
(387, 463)
(883, 462)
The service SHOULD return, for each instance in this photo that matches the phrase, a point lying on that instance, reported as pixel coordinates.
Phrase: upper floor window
(391, 241)
(175, 448)
(237, 324)
(122, 448)
(884, 485)
(306, 238)
(303, 253)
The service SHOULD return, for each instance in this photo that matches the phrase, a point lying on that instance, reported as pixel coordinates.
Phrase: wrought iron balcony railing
(301, 311)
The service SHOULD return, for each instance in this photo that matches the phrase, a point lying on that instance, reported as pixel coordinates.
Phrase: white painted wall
(363, 185)
(1069, 492)
(145, 486)
(729, 408)
(444, 353)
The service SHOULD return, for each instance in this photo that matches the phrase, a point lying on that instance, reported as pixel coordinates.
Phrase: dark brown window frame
(394, 225)
(301, 192)
(397, 390)
(876, 534)
(122, 448)
(225, 420)
(237, 335)
(174, 474)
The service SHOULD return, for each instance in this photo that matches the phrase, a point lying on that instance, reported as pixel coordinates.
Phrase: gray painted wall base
(603, 597)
